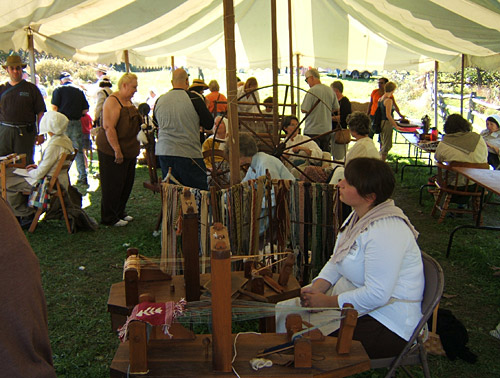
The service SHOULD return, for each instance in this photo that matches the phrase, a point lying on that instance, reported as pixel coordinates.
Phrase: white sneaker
(120, 223)
(128, 218)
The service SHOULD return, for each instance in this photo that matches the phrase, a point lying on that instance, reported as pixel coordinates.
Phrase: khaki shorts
(386, 137)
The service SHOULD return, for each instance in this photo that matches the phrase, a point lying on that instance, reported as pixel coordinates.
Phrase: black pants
(117, 181)
(493, 160)
(378, 340)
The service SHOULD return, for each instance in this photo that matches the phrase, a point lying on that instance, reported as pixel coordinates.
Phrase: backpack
(377, 120)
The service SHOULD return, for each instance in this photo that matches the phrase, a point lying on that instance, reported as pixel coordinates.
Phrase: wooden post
(138, 347)
(31, 50)
(290, 55)
(127, 62)
(274, 44)
(232, 107)
(347, 326)
(462, 86)
(172, 62)
(221, 299)
(436, 68)
(298, 82)
(190, 246)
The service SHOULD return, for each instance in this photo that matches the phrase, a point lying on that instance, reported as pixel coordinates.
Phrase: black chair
(414, 352)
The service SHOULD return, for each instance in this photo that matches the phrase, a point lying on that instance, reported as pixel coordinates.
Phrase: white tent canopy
(361, 34)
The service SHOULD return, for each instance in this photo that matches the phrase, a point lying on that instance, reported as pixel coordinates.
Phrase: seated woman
(376, 265)
(259, 163)
(492, 138)
(216, 142)
(301, 154)
(460, 143)
(359, 126)
(54, 124)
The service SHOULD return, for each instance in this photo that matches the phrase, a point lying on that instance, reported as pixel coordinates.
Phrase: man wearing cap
(179, 114)
(21, 108)
(70, 100)
(319, 117)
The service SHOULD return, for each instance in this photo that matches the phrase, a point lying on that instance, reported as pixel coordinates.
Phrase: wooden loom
(141, 275)
(190, 355)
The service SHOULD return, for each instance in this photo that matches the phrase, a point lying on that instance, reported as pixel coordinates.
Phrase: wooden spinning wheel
(269, 137)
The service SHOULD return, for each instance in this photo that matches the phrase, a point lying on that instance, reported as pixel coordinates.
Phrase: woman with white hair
(54, 124)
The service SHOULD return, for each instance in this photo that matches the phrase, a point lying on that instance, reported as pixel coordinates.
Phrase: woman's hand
(317, 299)
(118, 157)
(30, 167)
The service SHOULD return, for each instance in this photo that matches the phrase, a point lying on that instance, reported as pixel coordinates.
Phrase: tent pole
(127, 63)
(462, 86)
(31, 50)
(290, 52)
(232, 106)
(298, 83)
(274, 44)
(436, 68)
(172, 63)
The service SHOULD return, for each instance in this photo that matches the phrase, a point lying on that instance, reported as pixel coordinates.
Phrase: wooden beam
(127, 62)
(221, 299)
(436, 69)
(31, 50)
(462, 86)
(274, 44)
(232, 107)
(290, 55)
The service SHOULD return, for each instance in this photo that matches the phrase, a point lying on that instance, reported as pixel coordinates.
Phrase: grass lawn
(78, 270)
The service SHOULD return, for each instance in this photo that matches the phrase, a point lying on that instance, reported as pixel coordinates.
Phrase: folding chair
(455, 188)
(414, 352)
(55, 189)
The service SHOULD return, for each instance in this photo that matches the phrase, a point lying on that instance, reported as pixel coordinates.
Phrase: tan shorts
(386, 137)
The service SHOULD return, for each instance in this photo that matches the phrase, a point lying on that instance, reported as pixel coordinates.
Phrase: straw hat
(14, 61)
(198, 83)
(102, 68)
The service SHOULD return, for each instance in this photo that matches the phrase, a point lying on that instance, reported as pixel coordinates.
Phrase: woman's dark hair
(248, 146)
(287, 120)
(359, 122)
(455, 123)
(369, 176)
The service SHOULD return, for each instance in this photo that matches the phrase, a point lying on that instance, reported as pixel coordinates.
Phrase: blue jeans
(188, 171)
(74, 132)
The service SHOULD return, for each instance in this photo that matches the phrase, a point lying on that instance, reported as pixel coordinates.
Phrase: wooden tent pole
(31, 50)
(172, 63)
(462, 86)
(298, 82)
(274, 44)
(232, 107)
(290, 54)
(436, 68)
(127, 62)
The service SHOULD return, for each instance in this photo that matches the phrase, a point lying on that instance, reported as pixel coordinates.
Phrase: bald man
(179, 114)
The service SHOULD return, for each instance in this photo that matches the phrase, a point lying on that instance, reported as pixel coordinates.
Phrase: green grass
(83, 343)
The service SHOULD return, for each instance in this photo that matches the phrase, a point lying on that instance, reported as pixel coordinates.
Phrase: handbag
(342, 136)
(433, 343)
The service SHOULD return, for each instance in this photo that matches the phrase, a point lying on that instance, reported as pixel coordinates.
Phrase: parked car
(354, 74)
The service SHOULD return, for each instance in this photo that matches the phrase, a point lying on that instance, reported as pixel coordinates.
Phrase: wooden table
(9, 161)
(190, 358)
(488, 180)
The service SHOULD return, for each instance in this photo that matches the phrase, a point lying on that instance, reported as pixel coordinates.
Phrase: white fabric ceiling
(362, 34)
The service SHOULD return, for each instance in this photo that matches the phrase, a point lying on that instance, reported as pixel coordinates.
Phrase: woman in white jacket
(376, 264)
(54, 124)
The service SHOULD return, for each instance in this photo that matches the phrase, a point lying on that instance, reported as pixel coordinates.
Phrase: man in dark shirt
(70, 100)
(21, 108)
